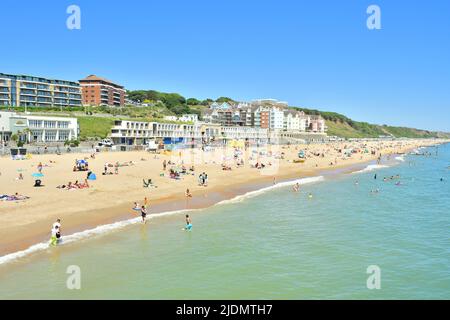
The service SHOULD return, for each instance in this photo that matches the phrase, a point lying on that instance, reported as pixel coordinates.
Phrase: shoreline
(203, 199)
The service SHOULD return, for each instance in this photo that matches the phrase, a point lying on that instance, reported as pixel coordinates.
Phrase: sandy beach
(111, 197)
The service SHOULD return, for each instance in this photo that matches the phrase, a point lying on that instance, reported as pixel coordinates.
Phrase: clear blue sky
(316, 54)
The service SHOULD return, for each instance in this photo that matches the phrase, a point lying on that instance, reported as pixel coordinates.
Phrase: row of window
(49, 124)
(50, 135)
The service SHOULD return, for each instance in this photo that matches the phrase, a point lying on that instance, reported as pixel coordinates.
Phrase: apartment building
(126, 132)
(23, 90)
(244, 133)
(295, 121)
(140, 133)
(317, 124)
(38, 129)
(97, 91)
(276, 119)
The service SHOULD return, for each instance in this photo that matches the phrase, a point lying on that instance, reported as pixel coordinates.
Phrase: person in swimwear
(143, 214)
(188, 223)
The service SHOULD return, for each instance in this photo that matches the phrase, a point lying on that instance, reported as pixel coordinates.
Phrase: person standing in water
(188, 223)
(143, 214)
(56, 232)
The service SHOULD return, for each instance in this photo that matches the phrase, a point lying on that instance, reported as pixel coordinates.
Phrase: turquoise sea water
(274, 245)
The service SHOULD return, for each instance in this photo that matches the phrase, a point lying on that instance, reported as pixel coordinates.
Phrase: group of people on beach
(75, 185)
(203, 179)
(144, 212)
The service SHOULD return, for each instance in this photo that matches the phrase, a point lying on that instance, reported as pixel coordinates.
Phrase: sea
(342, 236)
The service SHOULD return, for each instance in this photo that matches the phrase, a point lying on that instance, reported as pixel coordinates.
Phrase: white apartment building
(139, 133)
(276, 119)
(243, 133)
(38, 129)
(127, 132)
(295, 121)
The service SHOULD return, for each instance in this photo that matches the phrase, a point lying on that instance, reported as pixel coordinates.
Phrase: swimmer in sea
(310, 195)
(188, 223)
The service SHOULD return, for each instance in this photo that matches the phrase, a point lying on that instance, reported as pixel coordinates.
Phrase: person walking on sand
(143, 214)
(39, 167)
(164, 165)
(188, 193)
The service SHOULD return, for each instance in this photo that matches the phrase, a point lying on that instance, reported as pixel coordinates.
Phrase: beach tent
(92, 176)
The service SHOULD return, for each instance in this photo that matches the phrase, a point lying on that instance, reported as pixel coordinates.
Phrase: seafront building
(24, 90)
(37, 129)
(269, 114)
(126, 132)
(99, 91)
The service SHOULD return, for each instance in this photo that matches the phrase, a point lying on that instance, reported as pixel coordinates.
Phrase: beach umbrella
(37, 175)
(92, 176)
(81, 162)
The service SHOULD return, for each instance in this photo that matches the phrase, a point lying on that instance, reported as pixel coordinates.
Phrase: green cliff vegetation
(344, 127)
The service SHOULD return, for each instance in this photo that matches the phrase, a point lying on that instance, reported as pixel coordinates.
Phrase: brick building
(98, 91)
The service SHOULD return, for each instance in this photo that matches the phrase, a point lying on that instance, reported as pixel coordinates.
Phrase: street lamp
(3, 140)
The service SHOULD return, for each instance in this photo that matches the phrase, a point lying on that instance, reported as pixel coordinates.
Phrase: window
(35, 123)
(63, 135)
(63, 124)
(50, 136)
(49, 124)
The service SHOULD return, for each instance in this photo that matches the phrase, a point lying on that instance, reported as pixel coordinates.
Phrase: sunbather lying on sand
(15, 197)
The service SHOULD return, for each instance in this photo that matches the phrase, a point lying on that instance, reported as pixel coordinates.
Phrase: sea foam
(371, 167)
(85, 234)
(255, 193)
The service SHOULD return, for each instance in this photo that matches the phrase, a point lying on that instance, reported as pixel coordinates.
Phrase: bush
(72, 143)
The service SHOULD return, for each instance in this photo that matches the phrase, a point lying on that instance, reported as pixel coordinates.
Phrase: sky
(314, 54)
